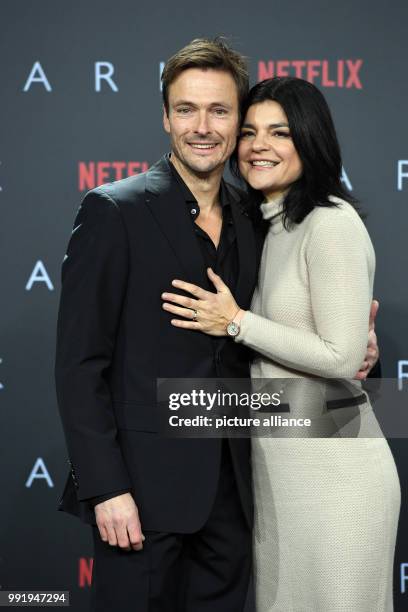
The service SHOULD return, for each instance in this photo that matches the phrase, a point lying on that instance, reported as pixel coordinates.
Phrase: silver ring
(194, 315)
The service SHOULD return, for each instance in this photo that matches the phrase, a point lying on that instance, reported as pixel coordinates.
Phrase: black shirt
(224, 258)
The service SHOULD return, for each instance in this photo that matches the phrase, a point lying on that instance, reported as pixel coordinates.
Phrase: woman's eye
(246, 134)
(282, 134)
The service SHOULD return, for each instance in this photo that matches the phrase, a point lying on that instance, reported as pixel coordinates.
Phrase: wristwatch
(233, 327)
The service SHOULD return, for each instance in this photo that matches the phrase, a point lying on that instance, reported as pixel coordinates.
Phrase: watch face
(233, 329)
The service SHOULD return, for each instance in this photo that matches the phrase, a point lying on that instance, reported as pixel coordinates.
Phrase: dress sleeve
(339, 264)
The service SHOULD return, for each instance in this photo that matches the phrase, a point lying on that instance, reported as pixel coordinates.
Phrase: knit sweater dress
(326, 509)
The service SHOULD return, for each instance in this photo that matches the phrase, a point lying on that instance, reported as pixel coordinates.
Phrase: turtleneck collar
(271, 211)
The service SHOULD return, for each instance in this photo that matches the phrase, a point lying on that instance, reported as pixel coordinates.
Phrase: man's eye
(183, 110)
(220, 112)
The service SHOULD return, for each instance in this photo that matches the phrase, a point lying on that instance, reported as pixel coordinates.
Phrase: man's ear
(166, 122)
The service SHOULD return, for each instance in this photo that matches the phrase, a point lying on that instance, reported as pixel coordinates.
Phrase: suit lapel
(166, 203)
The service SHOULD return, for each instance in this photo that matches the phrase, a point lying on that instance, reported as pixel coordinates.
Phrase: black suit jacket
(130, 239)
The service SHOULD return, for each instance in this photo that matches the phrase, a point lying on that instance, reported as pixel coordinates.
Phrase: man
(173, 516)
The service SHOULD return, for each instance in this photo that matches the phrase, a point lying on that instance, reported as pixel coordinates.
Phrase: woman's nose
(260, 143)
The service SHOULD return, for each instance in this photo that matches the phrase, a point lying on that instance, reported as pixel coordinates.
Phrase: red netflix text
(340, 73)
(85, 566)
(92, 174)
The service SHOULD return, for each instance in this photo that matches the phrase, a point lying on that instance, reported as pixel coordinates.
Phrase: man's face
(203, 119)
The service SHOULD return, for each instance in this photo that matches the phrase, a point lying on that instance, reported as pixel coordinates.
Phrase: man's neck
(204, 187)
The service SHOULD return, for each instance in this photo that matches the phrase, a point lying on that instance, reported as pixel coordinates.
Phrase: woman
(326, 508)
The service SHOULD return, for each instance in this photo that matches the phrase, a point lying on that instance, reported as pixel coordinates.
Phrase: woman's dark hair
(314, 136)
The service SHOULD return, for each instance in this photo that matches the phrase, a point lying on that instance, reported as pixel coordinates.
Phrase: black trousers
(207, 571)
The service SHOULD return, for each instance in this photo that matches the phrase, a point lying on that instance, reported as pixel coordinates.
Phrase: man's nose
(203, 125)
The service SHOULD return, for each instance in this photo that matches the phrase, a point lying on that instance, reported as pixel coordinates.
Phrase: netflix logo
(95, 173)
(85, 565)
(340, 73)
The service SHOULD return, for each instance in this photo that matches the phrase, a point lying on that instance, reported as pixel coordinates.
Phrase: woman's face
(267, 156)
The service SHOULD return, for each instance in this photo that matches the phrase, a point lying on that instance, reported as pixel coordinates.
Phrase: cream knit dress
(326, 509)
